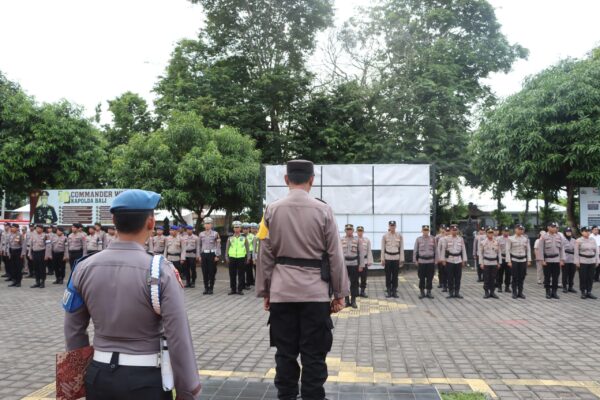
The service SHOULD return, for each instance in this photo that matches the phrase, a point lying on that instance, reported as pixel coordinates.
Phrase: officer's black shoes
(487, 294)
(395, 295)
(240, 293)
(565, 290)
(232, 292)
(591, 296)
(205, 291)
(8, 280)
(554, 295)
(429, 295)
(571, 290)
(210, 291)
(422, 294)
(445, 289)
(353, 304)
(548, 295)
(583, 295)
(440, 286)
(15, 284)
(521, 295)
(50, 272)
(457, 295)
(42, 285)
(450, 295)
(387, 294)
(494, 295)
(500, 289)
(507, 289)
(37, 285)
(363, 294)
(514, 294)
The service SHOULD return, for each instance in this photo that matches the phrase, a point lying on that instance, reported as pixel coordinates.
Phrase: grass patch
(463, 396)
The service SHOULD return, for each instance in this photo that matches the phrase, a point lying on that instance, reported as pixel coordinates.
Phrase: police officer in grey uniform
(489, 259)
(568, 270)
(17, 248)
(127, 329)
(367, 255)
(354, 262)
(586, 259)
(59, 255)
(39, 253)
(291, 276)
(424, 256)
(210, 251)
(518, 255)
(553, 254)
(76, 244)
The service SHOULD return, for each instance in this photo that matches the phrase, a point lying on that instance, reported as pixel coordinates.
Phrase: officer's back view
(114, 286)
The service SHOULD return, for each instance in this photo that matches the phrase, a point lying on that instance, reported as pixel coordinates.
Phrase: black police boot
(591, 296)
(493, 294)
(499, 289)
(486, 294)
(231, 292)
(206, 291)
(387, 293)
(395, 294)
(444, 288)
(457, 295)
(347, 301)
(548, 295)
(15, 284)
(429, 295)
(42, 284)
(521, 295)
(565, 290)
(37, 284)
(571, 290)
(514, 294)
(422, 294)
(440, 285)
(363, 294)
(8, 279)
(56, 281)
(584, 294)
(507, 289)
(554, 295)
(450, 294)
(353, 303)
(193, 285)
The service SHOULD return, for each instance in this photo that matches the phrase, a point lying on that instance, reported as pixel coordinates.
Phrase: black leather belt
(351, 258)
(158, 252)
(518, 257)
(299, 262)
(550, 255)
(191, 251)
(173, 254)
(570, 251)
(490, 258)
(425, 258)
(455, 254)
(392, 254)
(584, 256)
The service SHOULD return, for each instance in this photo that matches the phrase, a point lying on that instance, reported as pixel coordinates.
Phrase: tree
(247, 69)
(191, 166)
(45, 146)
(547, 136)
(129, 115)
(429, 59)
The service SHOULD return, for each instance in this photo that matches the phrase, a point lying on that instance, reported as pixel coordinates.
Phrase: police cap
(208, 220)
(360, 228)
(44, 193)
(519, 226)
(482, 228)
(392, 223)
(245, 225)
(135, 200)
(236, 224)
(585, 229)
(506, 229)
(425, 227)
(553, 225)
(254, 225)
(300, 168)
(189, 227)
(15, 225)
(158, 228)
(489, 230)
(568, 229)
(349, 226)
(454, 227)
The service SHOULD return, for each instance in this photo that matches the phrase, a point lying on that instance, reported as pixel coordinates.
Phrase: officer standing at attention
(191, 247)
(101, 235)
(110, 236)
(300, 261)
(392, 257)
(237, 251)
(480, 236)
(50, 231)
(159, 241)
(250, 270)
(489, 259)
(210, 251)
(354, 262)
(39, 253)
(586, 259)
(367, 255)
(504, 270)
(518, 256)
(424, 256)
(442, 276)
(76, 244)
(93, 241)
(4, 252)
(59, 255)
(174, 249)
(455, 258)
(16, 247)
(568, 270)
(114, 289)
(553, 254)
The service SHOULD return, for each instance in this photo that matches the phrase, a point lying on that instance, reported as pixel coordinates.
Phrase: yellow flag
(263, 231)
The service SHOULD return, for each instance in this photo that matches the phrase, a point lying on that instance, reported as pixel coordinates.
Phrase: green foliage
(547, 136)
(190, 165)
(130, 115)
(47, 145)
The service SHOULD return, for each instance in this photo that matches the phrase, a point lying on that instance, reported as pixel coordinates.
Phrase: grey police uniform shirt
(455, 246)
(425, 247)
(352, 247)
(16, 242)
(518, 249)
(191, 245)
(489, 252)
(158, 244)
(502, 240)
(392, 247)
(113, 284)
(300, 227)
(365, 251)
(586, 251)
(174, 248)
(77, 242)
(40, 242)
(59, 244)
(552, 247)
(108, 239)
(569, 246)
(210, 242)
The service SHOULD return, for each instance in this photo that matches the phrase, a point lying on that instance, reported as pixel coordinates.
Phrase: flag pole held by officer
(135, 301)
(300, 265)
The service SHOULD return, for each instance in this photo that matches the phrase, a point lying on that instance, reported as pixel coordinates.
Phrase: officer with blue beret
(134, 299)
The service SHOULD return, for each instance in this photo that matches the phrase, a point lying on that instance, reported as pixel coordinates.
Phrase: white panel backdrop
(369, 195)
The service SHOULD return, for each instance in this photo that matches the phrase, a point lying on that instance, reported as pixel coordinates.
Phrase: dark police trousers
(568, 275)
(551, 274)
(16, 265)
(353, 276)
(237, 271)
(503, 274)
(59, 265)
(426, 272)
(190, 269)
(442, 275)
(518, 271)
(363, 278)
(301, 329)
(479, 269)
(209, 269)
(74, 256)
(454, 273)
(124, 383)
(39, 265)
(249, 273)
(392, 267)
(586, 277)
(489, 277)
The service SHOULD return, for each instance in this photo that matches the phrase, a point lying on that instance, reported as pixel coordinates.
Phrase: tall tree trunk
(526, 213)
(571, 205)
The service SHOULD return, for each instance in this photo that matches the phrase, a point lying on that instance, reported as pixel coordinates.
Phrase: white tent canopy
(486, 203)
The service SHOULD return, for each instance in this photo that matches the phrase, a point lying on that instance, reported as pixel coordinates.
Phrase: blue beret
(189, 227)
(135, 200)
(160, 227)
(174, 227)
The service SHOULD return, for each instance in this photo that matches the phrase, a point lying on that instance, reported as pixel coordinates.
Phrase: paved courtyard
(509, 349)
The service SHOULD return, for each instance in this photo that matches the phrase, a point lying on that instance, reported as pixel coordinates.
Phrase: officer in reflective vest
(237, 252)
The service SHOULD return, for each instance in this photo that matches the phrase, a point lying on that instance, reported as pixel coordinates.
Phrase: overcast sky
(91, 51)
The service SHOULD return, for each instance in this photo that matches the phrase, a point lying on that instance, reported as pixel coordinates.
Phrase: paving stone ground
(510, 349)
